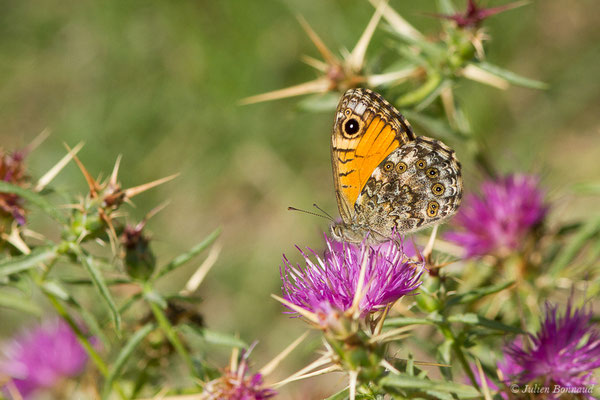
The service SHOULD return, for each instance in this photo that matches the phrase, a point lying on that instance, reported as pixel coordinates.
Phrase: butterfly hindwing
(419, 184)
(366, 130)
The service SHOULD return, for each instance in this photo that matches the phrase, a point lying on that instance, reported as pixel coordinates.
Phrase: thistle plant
(483, 280)
(468, 310)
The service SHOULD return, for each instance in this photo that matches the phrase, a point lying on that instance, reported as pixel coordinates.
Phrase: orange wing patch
(366, 130)
(358, 158)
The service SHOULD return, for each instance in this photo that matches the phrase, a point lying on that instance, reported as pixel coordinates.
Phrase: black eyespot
(438, 189)
(351, 126)
(388, 166)
(421, 164)
(432, 172)
(432, 208)
(401, 167)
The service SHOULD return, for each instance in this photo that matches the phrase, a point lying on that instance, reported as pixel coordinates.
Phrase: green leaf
(84, 281)
(123, 356)
(21, 263)
(404, 321)
(34, 199)
(511, 76)
(187, 256)
(100, 285)
(410, 382)
(214, 337)
(19, 303)
(425, 93)
(475, 319)
(572, 248)
(476, 294)
(341, 395)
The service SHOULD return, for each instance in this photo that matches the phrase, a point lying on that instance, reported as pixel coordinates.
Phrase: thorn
(357, 57)
(329, 57)
(397, 22)
(52, 172)
(92, 184)
(115, 172)
(316, 64)
(198, 277)
(319, 85)
(134, 191)
(270, 367)
(38, 140)
(312, 317)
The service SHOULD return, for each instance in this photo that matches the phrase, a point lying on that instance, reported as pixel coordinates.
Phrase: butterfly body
(388, 180)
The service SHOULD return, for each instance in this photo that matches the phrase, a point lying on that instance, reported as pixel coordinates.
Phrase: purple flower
(42, 357)
(564, 352)
(237, 384)
(330, 282)
(497, 221)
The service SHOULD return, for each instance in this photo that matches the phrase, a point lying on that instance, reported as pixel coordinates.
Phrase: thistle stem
(169, 331)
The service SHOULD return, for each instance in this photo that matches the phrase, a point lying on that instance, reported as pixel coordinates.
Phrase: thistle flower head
(564, 352)
(138, 257)
(237, 384)
(497, 221)
(42, 357)
(330, 282)
(474, 15)
(12, 170)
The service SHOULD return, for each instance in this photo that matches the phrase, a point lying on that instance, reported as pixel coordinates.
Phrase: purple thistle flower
(564, 352)
(329, 283)
(236, 384)
(497, 221)
(40, 358)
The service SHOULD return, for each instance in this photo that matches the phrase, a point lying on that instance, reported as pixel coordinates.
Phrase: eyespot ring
(438, 189)
(347, 112)
(351, 128)
(432, 173)
(421, 164)
(388, 166)
(401, 167)
(432, 208)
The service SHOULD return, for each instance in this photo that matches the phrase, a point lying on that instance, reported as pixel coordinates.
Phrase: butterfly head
(353, 233)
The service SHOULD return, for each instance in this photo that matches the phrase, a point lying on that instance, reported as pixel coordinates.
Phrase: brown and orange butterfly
(388, 180)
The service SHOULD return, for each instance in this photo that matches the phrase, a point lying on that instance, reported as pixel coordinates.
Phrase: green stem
(449, 334)
(169, 331)
(81, 337)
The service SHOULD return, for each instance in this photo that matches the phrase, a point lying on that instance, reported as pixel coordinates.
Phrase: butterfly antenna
(327, 216)
(315, 205)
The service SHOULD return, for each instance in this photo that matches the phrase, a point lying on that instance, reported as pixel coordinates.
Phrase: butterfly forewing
(366, 130)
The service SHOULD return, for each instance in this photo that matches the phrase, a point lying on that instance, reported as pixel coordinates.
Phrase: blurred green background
(160, 81)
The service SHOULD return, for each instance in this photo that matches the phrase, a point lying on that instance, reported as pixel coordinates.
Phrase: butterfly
(387, 180)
